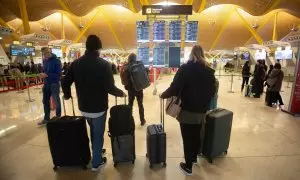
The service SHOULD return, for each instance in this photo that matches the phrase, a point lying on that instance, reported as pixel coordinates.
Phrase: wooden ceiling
(115, 24)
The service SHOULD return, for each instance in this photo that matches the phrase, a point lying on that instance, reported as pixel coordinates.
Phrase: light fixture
(279, 48)
(288, 48)
(0, 37)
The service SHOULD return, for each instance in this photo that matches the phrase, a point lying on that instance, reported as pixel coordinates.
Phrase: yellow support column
(63, 35)
(14, 35)
(221, 30)
(253, 32)
(113, 31)
(24, 15)
(131, 6)
(202, 6)
(275, 27)
(188, 2)
(89, 24)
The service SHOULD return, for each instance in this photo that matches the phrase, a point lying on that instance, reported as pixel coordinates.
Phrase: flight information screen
(175, 31)
(142, 31)
(159, 56)
(159, 31)
(16, 50)
(191, 31)
(143, 55)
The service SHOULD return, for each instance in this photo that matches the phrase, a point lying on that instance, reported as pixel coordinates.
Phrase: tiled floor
(265, 142)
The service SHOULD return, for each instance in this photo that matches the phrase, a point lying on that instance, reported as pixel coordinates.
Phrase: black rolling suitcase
(217, 130)
(156, 141)
(121, 133)
(68, 140)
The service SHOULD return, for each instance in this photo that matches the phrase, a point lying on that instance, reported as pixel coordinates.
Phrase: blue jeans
(97, 128)
(48, 91)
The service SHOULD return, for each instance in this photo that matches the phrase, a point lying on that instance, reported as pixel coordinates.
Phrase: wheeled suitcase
(139, 76)
(121, 133)
(68, 140)
(156, 141)
(217, 130)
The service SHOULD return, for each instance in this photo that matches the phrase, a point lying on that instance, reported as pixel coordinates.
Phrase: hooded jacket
(52, 67)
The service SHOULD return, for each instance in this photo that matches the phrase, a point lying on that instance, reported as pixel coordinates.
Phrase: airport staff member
(51, 75)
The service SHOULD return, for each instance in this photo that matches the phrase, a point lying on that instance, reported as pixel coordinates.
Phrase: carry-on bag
(68, 140)
(122, 137)
(156, 141)
(217, 130)
(139, 77)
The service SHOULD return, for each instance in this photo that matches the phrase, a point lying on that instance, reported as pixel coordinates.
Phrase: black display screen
(143, 55)
(142, 31)
(174, 57)
(175, 31)
(17, 50)
(159, 31)
(191, 31)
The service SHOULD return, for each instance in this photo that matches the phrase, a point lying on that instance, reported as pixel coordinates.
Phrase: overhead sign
(5, 31)
(35, 37)
(167, 10)
(61, 42)
(276, 43)
(292, 37)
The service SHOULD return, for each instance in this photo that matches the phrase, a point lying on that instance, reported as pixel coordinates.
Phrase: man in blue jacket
(51, 75)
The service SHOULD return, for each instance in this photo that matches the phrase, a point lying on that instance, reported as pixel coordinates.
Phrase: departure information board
(143, 55)
(191, 31)
(159, 31)
(142, 31)
(175, 31)
(158, 56)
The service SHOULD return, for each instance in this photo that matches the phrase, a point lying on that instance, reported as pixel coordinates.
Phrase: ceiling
(115, 22)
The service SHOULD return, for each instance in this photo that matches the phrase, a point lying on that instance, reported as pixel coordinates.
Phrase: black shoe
(103, 151)
(185, 170)
(95, 169)
(143, 122)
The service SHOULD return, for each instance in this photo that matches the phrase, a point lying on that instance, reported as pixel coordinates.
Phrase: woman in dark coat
(275, 82)
(259, 77)
(246, 75)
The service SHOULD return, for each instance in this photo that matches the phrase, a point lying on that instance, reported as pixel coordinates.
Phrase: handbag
(173, 107)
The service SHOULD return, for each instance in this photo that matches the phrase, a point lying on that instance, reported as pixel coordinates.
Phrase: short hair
(45, 49)
(277, 66)
(93, 43)
(132, 58)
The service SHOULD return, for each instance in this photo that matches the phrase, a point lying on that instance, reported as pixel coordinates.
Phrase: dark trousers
(191, 142)
(277, 97)
(48, 91)
(245, 81)
(139, 95)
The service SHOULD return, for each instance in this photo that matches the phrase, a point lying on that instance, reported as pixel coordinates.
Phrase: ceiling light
(0, 38)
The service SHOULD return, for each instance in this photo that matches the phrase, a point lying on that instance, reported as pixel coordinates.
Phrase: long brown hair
(197, 55)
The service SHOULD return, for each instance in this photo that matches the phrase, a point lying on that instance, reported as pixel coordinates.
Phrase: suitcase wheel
(226, 152)
(132, 161)
(164, 164)
(210, 160)
(55, 168)
(146, 155)
(151, 166)
(84, 167)
(115, 165)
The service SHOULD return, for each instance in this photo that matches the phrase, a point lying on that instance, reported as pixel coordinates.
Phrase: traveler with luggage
(51, 76)
(246, 75)
(188, 85)
(258, 80)
(274, 83)
(93, 82)
(134, 77)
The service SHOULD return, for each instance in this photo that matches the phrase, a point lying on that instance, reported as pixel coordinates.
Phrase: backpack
(124, 75)
(139, 76)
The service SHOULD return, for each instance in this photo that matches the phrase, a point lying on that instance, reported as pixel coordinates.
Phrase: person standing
(259, 77)
(246, 75)
(194, 83)
(132, 93)
(94, 80)
(274, 82)
(51, 76)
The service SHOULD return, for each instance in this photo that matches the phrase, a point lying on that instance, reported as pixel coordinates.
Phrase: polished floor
(265, 142)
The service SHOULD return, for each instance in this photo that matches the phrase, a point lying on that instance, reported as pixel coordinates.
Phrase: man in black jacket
(93, 81)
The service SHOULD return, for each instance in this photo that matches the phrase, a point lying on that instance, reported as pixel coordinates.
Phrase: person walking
(274, 83)
(132, 93)
(51, 76)
(93, 80)
(194, 83)
(246, 75)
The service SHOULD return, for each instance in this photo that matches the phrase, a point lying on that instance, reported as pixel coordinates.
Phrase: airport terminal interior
(265, 138)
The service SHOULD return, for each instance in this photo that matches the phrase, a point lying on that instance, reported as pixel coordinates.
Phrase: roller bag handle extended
(162, 114)
(116, 100)
(64, 105)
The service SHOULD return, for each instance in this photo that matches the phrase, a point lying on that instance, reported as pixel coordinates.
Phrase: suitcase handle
(116, 100)
(64, 105)
(162, 113)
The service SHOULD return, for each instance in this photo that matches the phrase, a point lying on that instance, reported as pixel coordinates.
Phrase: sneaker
(143, 122)
(185, 170)
(42, 122)
(95, 169)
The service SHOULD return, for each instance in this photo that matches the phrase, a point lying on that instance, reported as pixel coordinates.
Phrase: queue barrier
(12, 83)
